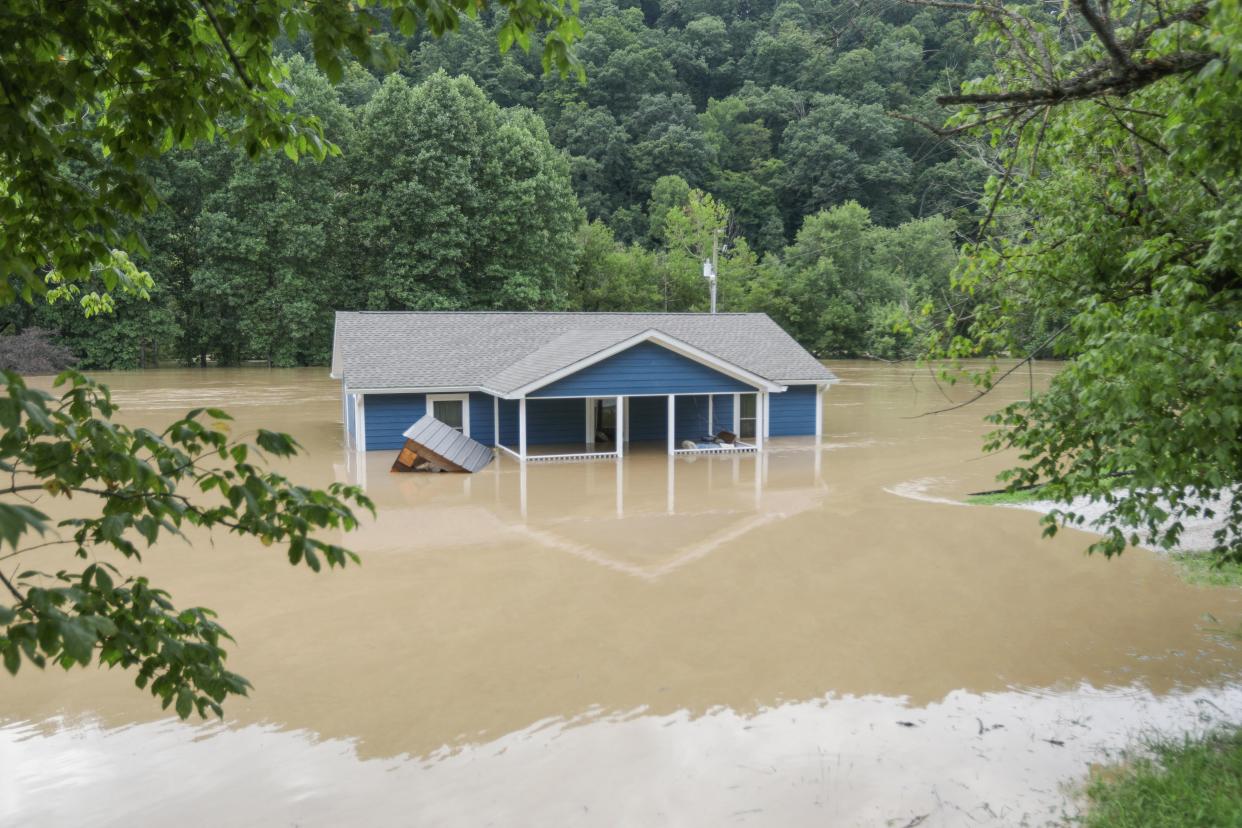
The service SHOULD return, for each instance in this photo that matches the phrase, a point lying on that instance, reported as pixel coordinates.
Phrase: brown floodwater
(819, 635)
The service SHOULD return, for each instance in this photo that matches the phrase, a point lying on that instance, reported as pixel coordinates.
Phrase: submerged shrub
(33, 351)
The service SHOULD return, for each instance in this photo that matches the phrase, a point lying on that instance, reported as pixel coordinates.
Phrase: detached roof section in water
(503, 352)
(435, 438)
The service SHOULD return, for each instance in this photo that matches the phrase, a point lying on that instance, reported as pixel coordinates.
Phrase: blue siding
(547, 421)
(509, 423)
(481, 428)
(722, 413)
(388, 416)
(648, 419)
(555, 421)
(646, 368)
(792, 412)
(691, 418)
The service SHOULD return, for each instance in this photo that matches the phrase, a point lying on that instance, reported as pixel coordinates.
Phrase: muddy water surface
(821, 635)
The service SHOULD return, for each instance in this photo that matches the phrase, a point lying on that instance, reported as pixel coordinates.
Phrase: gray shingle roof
(449, 443)
(503, 351)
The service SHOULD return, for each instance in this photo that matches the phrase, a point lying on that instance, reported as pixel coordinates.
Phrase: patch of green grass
(1201, 570)
(1197, 782)
(1001, 498)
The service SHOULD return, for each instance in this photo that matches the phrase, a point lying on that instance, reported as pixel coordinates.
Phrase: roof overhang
(424, 389)
(673, 344)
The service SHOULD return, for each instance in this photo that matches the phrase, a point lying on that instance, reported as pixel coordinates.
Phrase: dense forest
(471, 179)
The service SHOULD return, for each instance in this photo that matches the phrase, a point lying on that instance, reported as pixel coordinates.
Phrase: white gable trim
(673, 344)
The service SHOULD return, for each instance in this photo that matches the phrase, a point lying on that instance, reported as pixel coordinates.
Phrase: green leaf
(16, 520)
(78, 639)
(185, 703)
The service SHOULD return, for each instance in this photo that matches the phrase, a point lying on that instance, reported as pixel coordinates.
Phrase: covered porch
(550, 429)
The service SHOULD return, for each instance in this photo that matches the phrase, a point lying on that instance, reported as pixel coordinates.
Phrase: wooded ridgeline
(469, 179)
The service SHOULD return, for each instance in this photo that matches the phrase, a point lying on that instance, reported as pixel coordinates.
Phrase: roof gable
(646, 364)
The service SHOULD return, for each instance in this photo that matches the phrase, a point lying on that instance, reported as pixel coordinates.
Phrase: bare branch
(16, 593)
(999, 380)
(949, 133)
(1117, 83)
(1104, 32)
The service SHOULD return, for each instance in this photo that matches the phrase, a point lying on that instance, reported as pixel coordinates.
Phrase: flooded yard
(818, 635)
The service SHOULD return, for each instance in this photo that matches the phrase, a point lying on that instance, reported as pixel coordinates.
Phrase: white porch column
(522, 428)
(672, 409)
(737, 415)
(761, 419)
(819, 411)
(496, 422)
(620, 426)
(711, 419)
(767, 409)
(590, 423)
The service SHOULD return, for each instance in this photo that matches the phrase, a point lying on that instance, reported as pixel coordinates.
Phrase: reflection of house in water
(645, 515)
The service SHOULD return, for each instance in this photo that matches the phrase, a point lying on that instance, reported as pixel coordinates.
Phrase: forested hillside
(469, 179)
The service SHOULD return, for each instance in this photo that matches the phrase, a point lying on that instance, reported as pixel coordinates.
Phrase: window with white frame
(451, 409)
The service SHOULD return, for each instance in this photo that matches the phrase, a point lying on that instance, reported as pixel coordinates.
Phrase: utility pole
(709, 267)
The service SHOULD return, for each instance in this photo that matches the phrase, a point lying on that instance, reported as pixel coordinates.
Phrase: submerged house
(542, 386)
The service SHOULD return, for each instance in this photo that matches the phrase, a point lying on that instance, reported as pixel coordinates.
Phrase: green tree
(599, 157)
(690, 231)
(613, 277)
(847, 287)
(670, 192)
(458, 203)
(843, 151)
(1115, 223)
(275, 259)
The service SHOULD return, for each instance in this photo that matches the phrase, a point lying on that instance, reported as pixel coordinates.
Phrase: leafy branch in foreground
(91, 91)
(1113, 225)
(134, 487)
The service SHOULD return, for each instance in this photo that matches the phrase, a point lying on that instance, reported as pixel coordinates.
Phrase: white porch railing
(735, 448)
(584, 455)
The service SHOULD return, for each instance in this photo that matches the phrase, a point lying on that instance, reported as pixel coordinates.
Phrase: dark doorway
(606, 421)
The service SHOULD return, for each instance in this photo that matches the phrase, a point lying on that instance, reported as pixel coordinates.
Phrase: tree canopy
(774, 112)
(1112, 237)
